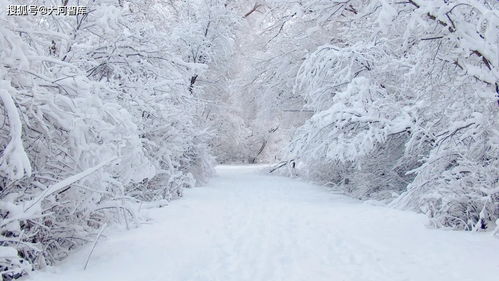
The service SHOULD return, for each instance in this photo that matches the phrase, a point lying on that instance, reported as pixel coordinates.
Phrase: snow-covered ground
(246, 225)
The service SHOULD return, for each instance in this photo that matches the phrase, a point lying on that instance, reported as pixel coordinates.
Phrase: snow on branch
(14, 161)
(66, 182)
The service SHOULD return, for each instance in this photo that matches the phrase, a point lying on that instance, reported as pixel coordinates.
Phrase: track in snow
(248, 226)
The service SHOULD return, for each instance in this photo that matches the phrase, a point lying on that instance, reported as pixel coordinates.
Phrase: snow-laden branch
(14, 161)
(64, 183)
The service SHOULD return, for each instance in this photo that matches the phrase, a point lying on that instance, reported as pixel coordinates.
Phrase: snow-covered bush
(405, 102)
(69, 153)
(97, 115)
(150, 79)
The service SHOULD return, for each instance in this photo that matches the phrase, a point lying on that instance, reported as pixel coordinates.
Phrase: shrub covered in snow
(98, 114)
(406, 107)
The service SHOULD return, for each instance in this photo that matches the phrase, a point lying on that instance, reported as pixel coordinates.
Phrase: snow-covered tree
(405, 97)
(98, 114)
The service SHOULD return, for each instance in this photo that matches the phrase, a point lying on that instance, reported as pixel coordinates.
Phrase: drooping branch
(193, 81)
(254, 9)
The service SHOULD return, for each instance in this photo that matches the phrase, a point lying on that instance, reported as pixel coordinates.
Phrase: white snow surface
(248, 225)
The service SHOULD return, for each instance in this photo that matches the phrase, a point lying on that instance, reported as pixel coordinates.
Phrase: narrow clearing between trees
(248, 226)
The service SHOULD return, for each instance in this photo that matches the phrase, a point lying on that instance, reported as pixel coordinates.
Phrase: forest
(124, 107)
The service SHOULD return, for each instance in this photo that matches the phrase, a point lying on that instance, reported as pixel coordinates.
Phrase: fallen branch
(278, 166)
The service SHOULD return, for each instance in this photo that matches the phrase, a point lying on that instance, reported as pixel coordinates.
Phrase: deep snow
(246, 225)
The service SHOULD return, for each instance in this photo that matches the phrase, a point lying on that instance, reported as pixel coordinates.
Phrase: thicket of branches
(99, 113)
(403, 98)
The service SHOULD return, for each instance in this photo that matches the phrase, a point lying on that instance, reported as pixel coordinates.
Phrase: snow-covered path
(248, 226)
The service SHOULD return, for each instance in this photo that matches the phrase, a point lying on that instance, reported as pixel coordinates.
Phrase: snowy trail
(248, 226)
